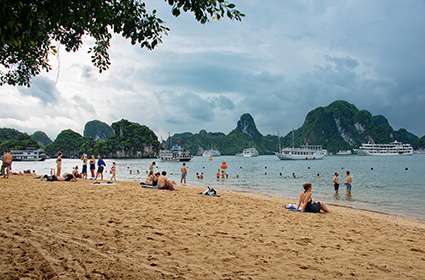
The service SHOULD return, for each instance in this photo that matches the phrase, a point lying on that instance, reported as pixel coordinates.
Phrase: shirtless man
(335, 181)
(183, 171)
(7, 164)
(164, 183)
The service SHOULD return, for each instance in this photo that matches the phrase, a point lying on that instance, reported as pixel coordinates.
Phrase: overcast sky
(284, 59)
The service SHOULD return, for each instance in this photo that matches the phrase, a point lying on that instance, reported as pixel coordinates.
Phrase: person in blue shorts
(100, 167)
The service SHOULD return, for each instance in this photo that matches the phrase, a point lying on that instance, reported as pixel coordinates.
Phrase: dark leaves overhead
(30, 30)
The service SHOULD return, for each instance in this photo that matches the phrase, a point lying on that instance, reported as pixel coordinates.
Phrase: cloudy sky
(284, 59)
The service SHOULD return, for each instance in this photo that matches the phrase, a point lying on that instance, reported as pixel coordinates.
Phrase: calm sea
(394, 184)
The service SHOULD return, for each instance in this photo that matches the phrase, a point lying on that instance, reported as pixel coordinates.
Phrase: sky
(284, 59)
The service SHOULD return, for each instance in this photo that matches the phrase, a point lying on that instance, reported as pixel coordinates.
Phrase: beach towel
(107, 183)
(147, 186)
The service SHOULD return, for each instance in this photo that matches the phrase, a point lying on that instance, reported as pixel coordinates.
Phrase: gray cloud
(43, 89)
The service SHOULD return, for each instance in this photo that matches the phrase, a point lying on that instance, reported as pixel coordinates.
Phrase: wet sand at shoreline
(64, 230)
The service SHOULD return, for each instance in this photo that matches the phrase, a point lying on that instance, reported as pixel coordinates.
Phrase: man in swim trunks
(348, 181)
(335, 181)
(183, 171)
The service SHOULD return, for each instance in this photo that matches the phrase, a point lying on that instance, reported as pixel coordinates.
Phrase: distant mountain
(41, 138)
(341, 126)
(421, 143)
(98, 130)
(127, 140)
(245, 135)
(13, 139)
(68, 142)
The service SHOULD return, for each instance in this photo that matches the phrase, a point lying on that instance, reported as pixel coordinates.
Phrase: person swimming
(306, 203)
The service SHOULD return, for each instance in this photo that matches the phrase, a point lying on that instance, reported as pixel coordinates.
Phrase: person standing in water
(183, 171)
(152, 167)
(84, 168)
(348, 181)
(335, 181)
(100, 167)
(59, 164)
(92, 166)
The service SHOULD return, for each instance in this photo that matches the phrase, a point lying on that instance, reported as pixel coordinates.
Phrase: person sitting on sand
(75, 172)
(306, 203)
(164, 183)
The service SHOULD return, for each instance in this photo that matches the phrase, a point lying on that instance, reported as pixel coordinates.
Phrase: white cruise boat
(391, 149)
(250, 152)
(304, 152)
(344, 153)
(211, 153)
(28, 155)
(176, 153)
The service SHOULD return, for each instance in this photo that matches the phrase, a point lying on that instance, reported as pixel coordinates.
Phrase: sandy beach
(64, 230)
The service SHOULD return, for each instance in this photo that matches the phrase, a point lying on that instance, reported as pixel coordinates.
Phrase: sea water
(393, 184)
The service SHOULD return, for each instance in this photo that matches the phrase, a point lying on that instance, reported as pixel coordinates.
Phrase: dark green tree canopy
(30, 29)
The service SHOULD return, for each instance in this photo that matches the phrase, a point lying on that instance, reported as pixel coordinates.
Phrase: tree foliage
(11, 139)
(30, 29)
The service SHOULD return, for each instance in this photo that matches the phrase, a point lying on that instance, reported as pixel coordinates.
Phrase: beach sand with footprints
(63, 230)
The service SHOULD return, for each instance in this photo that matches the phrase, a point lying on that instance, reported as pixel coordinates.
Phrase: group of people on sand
(87, 164)
(160, 180)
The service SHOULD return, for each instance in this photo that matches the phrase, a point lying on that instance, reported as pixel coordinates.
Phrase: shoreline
(77, 230)
(293, 200)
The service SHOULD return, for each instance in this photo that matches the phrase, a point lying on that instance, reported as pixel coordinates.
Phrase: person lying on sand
(66, 177)
(306, 203)
(164, 183)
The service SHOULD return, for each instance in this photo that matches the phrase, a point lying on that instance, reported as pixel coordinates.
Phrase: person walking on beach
(59, 164)
(7, 164)
(335, 181)
(92, 163)
(114, 172)
(100, 167)
(183, 171)
(348, 181)
(84, 168)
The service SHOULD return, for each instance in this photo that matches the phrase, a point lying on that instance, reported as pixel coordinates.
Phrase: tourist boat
(391, 149)
(304, 152)
(250, 152)
(211, 153)
(344, 153)
(176, 153)
(28, 155)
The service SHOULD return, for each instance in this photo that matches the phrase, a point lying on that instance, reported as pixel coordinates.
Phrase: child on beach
(113, 172)
(7, 164)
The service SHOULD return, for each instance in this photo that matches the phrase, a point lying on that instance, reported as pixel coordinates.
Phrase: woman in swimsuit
(306, 203)
(92, 166)
(59, 164)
